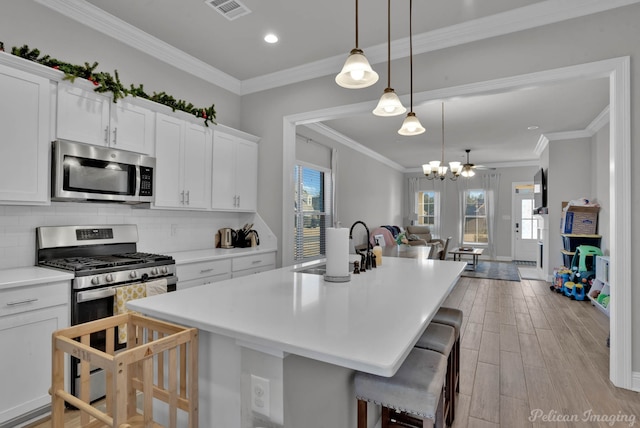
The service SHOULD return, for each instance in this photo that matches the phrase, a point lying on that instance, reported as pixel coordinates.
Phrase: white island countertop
(369, 323)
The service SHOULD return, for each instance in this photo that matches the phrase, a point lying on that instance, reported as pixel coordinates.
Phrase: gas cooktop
(82, 264)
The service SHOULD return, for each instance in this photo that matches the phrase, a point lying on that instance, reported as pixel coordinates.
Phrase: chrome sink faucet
(367, 256)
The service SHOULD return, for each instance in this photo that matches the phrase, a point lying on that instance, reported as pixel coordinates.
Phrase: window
(475, 218)
(529, 223)
(428, 209)
(312, 201)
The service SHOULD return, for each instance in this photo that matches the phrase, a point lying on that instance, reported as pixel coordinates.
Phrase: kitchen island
(297, 339)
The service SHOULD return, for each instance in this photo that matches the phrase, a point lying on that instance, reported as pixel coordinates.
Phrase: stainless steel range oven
(102, 259)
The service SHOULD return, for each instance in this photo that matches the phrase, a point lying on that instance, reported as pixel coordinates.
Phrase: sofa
(421, 235)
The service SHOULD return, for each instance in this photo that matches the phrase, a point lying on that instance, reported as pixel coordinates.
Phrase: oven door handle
(87, 296)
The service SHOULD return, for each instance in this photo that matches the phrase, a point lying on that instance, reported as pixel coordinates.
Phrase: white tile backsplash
(159, 231)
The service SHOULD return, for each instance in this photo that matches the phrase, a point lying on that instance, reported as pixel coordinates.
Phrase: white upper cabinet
(89, 117)
(24, 137)
(235, 173)
(183, 164)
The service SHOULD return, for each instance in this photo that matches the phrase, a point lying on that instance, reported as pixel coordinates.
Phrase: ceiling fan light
(411, 126)
(356, 73)
(467, 171)
(389, 104)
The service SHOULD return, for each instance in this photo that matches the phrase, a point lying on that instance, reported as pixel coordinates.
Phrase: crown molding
(97, 19)
(523, 18)
(600, 121)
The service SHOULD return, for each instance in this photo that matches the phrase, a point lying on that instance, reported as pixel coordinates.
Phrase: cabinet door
(197, 166)
(24, 137)
(223, 194)
(247, 175)
(131, 128)
(82, 115)
(169, 142)
(26, 359)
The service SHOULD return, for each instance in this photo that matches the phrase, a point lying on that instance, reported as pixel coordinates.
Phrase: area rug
(505, 271)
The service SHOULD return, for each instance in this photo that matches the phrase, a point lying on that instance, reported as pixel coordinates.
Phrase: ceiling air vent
(230, 9)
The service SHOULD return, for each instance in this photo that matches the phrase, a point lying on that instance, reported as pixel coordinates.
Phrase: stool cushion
(449, 316)
(415, 388)
(438, 337)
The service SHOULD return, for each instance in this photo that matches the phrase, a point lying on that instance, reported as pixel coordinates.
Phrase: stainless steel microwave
(82, 172)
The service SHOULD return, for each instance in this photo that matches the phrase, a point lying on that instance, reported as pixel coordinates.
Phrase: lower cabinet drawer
(196, 270)
(246, 272)
(183, 285)
(252, 262)
(31, 297)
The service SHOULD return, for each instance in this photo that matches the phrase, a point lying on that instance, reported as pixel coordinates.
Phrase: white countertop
(216, 253)
(368, 324)
(31, 275)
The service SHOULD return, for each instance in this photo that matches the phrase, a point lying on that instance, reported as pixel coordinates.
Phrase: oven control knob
(165, 270)
(133, 274)
(154, 271)
(95, 280)
(109, 278)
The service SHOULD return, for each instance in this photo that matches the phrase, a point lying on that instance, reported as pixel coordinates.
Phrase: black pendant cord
(356, 24)
(411, 54)
(443, 133)
(388, 43)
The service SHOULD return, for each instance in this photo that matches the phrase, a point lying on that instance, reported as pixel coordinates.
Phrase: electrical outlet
(260, 395)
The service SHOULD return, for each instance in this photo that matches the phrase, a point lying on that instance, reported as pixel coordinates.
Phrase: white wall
(568, 178)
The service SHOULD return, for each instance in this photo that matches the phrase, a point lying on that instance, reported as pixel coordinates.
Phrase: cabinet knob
(115, 135)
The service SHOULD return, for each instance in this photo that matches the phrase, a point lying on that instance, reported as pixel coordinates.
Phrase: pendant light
(411, 125)
(389, 104)
(356, 73)
(437, 169)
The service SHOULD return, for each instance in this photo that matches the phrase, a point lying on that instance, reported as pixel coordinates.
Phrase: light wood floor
(526, 348)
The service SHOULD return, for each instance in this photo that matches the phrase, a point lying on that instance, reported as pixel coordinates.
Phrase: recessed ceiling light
(271, 38)
(532, 127)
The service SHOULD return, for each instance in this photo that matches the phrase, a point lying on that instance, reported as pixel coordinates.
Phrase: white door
(525, 225)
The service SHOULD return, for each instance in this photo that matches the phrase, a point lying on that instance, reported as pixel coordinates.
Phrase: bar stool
(412, 397)
(441, 338)
(452, 317)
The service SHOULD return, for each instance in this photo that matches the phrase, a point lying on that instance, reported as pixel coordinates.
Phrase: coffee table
(467, 251)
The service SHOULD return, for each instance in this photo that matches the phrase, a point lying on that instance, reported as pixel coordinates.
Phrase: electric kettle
(227, 237)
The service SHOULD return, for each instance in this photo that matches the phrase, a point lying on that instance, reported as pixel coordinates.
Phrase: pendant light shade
(411, 125)
(356, 73)
(389, 104)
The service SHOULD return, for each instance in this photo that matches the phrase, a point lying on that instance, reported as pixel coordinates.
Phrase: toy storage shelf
(601, 283)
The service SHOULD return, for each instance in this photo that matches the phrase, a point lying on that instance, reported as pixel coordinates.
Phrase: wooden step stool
(155, 348)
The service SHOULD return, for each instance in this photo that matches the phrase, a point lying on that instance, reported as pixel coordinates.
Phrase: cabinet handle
(106, 135)
(238, 201)
(22, 302)
(187, 197)
(256, 262)
(182, 197)
(206, 270)
(115, 135)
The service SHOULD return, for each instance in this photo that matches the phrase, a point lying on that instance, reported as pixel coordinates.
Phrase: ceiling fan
(468, 169)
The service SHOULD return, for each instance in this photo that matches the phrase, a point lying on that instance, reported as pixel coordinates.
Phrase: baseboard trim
(635, 381)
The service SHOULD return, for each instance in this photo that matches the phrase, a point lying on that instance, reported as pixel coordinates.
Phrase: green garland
(105, 82)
